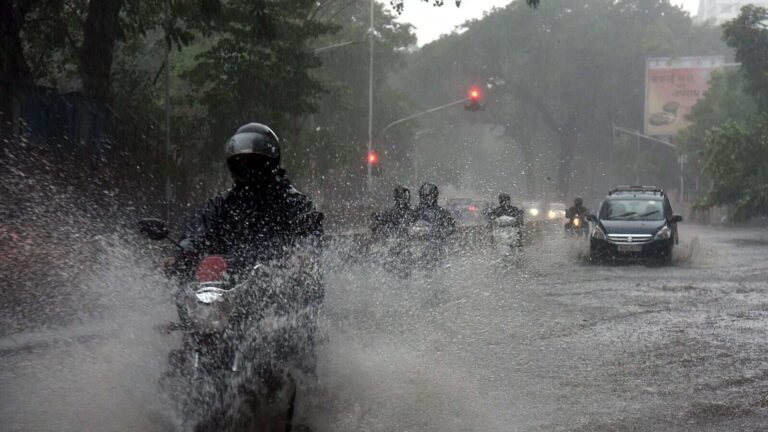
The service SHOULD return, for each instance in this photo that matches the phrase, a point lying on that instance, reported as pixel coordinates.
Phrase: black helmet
(402, 196)
(428, 194)
(504, 199)
(578, 202)
(253, 153)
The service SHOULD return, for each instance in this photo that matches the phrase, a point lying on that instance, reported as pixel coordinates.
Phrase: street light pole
(371, 35)
(167, 150)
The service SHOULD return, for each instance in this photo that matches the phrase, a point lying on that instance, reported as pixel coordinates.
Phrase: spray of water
(81, 301)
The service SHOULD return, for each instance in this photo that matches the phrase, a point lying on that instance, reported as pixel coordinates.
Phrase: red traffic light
(474, 94)
(373, 158)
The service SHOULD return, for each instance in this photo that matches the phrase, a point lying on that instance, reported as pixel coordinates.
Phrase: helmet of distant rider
(578, 202)
(504, 199)
(402, 196)
(253, 154)
(428, 193)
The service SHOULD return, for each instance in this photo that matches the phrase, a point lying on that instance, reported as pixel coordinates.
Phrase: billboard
(672, 88)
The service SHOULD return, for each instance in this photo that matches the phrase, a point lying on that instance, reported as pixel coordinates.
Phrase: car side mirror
(676, 219)
(153, 229)
(591, 218)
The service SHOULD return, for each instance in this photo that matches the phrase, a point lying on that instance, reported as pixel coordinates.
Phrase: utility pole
(371, 35)
(637, 159)
(167, 150)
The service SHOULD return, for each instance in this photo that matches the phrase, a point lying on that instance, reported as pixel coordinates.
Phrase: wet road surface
(554, 345)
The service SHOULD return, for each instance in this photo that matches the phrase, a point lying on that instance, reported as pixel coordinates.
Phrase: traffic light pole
(681, 157)
(371, 35)
(431, 110)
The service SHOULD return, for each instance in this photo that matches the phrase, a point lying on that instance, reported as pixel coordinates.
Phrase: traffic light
(473, 96)
(373, 158)
(373, 161)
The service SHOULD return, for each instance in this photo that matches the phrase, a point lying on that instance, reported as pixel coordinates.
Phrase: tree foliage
(558, 77)
(399, 5)
(732, 122)
(748, 35)
(736, 158)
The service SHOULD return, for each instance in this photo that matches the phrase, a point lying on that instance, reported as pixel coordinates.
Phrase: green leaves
(732, 122)
(399, 5)
(736, 159)
(748, 35)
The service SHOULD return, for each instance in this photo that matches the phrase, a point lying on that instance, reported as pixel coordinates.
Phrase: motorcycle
(577, 226)
(506, 234)
(425, 247)
(241, 343)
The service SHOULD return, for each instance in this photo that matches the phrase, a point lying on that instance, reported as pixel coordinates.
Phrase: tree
(399, 5)
(725, 100)
(736, 159)
(736, 152)
(559, 77)
(337, 134)
(748, 35)
(257, 67)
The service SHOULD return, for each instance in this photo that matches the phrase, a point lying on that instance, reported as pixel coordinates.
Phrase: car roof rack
(636, 189)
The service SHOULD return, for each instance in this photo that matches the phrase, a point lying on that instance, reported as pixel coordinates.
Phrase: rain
(334, 215)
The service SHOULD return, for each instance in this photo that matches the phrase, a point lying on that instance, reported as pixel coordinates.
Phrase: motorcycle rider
(261, 210)
(392, 220)
(506, 208)
(578, 209)
(262, 218)
(430, 211)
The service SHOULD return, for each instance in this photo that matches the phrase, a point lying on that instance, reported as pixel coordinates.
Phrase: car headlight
(663, 233)
(552, 214)
(598, 233)
(534, 212)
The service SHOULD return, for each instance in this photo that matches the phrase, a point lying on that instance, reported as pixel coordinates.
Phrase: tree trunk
(97, 52)
(13, 63)
(14, 68)
(99, 39)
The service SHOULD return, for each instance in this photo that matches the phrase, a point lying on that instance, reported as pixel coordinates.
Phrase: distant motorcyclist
(393, 220)
(577, 210)
(506, 208)
(428, 210)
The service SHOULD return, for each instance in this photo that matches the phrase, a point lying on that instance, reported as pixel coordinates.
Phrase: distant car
(634, 222)
(534, 210)
(556, 212)
(467, 211)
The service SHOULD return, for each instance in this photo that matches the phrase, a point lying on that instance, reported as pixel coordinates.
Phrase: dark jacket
(511, 211)
(264, 225)
(390, 222)
(573, 211)
(444, 224)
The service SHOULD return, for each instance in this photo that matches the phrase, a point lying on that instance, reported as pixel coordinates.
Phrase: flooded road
(554, 345)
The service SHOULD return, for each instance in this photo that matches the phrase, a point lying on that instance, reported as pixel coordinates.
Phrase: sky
(431, 22)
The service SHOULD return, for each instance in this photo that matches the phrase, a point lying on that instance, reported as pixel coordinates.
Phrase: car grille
(630, 238)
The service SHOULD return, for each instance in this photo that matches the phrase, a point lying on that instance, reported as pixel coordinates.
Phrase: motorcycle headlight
(209, 295)
(534, 212)
(663, 233)
(552, 214)
(598, 233)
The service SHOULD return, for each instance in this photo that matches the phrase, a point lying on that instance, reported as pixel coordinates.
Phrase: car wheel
(665, 257)
(594, 256)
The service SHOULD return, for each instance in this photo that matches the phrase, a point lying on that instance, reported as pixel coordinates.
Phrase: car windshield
(633, 209)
